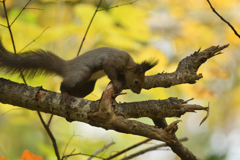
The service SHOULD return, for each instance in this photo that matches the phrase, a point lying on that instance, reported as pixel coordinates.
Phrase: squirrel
(81, 73)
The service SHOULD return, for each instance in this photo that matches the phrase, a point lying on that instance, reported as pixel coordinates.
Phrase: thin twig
(89, 25)
(229, 24)
(127, 149)
(50, 120)
(34, 40)
(77, 154)
(204, 119)
(97, 9)
(9, 26)
(186, 101)
(35, 8)
(9, 111)
(10, 31)
(118, 5)
(67, 145)
(3, 25)
(50, 135)
(102, 149)
(150, 149)
(20, 12)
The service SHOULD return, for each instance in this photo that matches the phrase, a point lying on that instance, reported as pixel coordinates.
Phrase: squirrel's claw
(118, 86)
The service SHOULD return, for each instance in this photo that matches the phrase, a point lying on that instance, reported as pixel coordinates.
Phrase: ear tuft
(146, 65)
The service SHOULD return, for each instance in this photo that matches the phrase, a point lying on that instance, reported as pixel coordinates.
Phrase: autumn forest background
(167, 30)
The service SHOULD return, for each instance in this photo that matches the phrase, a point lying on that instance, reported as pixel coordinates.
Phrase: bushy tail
(31, 63)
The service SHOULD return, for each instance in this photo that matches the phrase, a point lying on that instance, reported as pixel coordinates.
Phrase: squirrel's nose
(138, 91)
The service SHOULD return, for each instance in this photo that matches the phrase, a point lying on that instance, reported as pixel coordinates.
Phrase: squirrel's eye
(136, 81)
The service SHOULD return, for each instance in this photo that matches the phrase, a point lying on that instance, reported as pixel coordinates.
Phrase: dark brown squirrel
(81, 73)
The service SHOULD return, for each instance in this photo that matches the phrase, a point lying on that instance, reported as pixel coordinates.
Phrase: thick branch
(80, 110)
(186, 71)
(171, 107)
(49, 102)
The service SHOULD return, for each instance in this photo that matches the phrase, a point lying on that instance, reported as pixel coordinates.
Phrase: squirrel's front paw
(118, 87)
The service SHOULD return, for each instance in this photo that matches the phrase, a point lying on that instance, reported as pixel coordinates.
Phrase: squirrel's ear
(146, 65)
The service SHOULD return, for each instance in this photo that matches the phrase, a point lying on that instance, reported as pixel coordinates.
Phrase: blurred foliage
(160, 29)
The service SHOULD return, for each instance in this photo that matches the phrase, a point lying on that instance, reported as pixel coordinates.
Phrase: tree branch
(127, 149)
(49, 102)
(186, 71)
(150, 149)
(176, 147)
(89, 25)
(117, 5)
(94, 14)
(229, 24)
(101, 150)
(54, 143)
(81, 110)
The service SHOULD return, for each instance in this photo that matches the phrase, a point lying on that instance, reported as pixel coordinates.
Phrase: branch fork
(105, 115)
